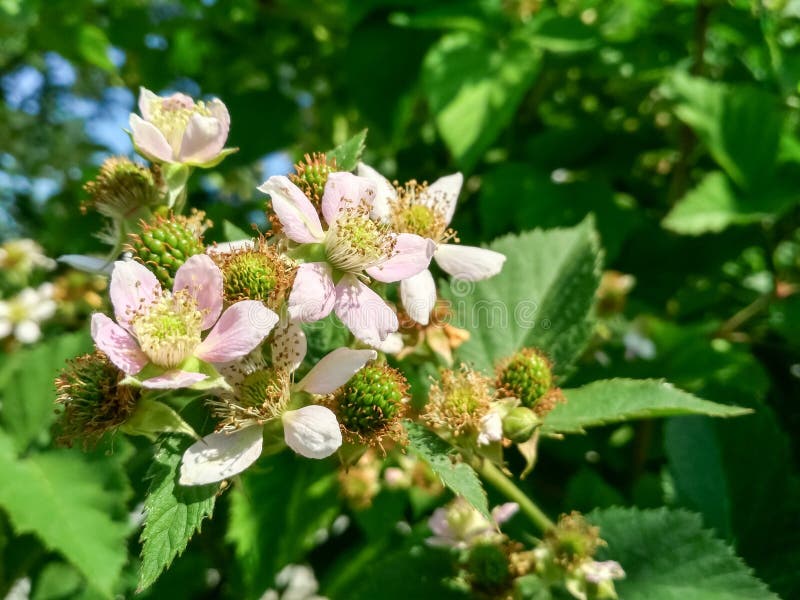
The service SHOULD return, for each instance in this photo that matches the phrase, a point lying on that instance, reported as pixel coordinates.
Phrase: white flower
(427, 211)
(461, 525)
(311, 431)
(21, 315)
(297, 582)
(24, 255)
(599, 575)
(491, 428)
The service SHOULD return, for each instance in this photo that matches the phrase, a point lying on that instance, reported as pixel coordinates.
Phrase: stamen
(413, 214)
(355, 242)
(168, 330)
(171, 116)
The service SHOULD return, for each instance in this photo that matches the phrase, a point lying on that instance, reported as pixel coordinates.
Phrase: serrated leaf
(543, 297)
(667, 555)
(66, 502)
(278, 509)
(617, 400)
(27, 392)
(459, 477)
(471, 112)
(173, 513)
(349, 153)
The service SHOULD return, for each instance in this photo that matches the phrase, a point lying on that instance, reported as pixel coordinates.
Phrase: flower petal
(345, 189)
(203, 139)
(312, 431)
(418, 294)
(363, 311)
(221, 455)
(289, 347)
(312, 296)
(172, 380)
(295, 212)
(393, 344)
(443, 193)
(241, 328)
(89, 264)
(503, 512)
(412, 255)
(203, 280)
(118, 344)
(220, 112)
(468, 262)
(146, 98)
(228, 247)
(132, 287)
(149, 140)
(335, 369)
(385, 192)
(491, 428)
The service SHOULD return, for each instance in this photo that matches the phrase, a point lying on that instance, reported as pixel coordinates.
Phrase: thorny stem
(508, 488)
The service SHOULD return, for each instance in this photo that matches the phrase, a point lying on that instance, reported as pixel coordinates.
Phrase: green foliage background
(675, 124)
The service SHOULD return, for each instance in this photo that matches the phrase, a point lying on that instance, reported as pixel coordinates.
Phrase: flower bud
(124, 190)
(527, 376)
(312, 174)
(164, 244)
(519, 424)
(94, 402)
(372, 403)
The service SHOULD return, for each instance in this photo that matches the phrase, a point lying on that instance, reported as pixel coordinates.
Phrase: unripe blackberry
(164, 244)
(94, 402)
(123, 188)
(527, 376)
(488, 567)
(573, 540)
(312, 174)
(372, 402)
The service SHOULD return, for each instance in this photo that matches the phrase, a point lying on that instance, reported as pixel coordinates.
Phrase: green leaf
(543, 298)
(349, 153)
(740, 125)
(278, 509)
(474, 85)
(173, 513)
(667, 555)
(714, 205)
(562, 35)
(93, 44)
(441, 456)
(232, 233)
(616, 400)
(68, 503)
(27, 394)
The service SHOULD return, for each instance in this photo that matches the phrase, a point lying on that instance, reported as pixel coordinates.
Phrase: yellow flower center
(355, 242)
(169, 330)
(410, 214)
(171, 116)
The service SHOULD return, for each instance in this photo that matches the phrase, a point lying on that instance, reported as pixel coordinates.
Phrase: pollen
(171, 116)
(260, 396)
(459, 401)
(356, 242)
(413, 211)
(169, 329)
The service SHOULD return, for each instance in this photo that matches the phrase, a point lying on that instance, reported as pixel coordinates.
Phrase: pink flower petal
(203, 280)
(203, 139)
(412, 255)
(385, 192)
(149, 140)
(503, 512)
(172, 380)
(289, 347)
(443, 193)
(221, 455)
(312, 296)
(146, 98)
(418, 294)
(335, 369)
(312, 431)
(468, 262)
(220, 112)
(295, 212)
(363, 311)
(240, 329)
(118, 344)
(345, 189)
(132, 287)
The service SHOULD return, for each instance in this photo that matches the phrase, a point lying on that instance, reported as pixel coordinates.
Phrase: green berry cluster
(527, 375)
(488, 567)
(250, 275)
(165, 245)
(372, 399)
(312, 175)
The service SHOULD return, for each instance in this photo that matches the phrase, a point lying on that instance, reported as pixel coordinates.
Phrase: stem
(509, 489)
(744, 315)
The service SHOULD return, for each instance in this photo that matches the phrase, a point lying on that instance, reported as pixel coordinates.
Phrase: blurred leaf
(279, 509)
(561, 35)
(232, 233)
(740, 125)
(442, 457)
(349, 153)
(27, 391)
(94, 45)
(618, 400)
(173, 513)
(474, 87)
(668, 555)
(67, 502)
(543, 298)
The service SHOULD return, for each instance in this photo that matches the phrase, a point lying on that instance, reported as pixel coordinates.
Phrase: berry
(372, 400)
(312, 175)
(527, 375)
